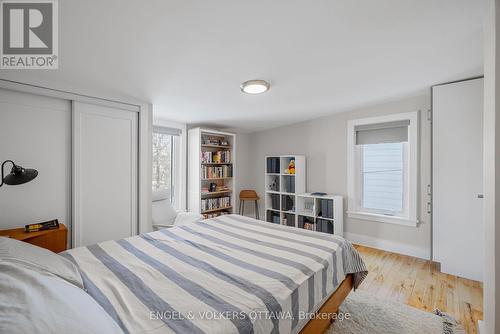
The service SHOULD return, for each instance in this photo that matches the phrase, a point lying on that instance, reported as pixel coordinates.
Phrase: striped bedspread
(229, 274)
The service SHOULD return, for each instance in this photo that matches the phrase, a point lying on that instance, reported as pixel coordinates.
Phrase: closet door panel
(105, 173)
(35, 132)
(457, 178)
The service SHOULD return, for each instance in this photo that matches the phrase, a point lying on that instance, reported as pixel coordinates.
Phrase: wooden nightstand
(54, 240)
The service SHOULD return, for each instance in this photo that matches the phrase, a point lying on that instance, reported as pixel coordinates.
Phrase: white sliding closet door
(457, 222)
(35, 132)
(105, 147)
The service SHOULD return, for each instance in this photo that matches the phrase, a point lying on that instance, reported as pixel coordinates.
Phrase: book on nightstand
(48, 225)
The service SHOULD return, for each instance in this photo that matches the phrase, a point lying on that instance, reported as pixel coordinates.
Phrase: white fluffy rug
(372, 315)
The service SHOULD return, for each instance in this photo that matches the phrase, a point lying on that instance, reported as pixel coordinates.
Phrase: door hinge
(429, 190)
(429, 115)
(429, 207)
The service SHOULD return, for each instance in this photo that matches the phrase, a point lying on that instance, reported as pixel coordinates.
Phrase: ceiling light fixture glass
(254, 86)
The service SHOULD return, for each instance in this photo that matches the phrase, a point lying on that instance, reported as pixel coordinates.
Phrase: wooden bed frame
(319, 325)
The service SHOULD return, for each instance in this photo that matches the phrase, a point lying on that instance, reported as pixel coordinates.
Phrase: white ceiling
(189, 57)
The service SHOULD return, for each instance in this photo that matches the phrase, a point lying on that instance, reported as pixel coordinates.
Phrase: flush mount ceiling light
(254, 86)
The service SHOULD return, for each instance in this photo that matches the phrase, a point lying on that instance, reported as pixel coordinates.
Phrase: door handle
(480, 196)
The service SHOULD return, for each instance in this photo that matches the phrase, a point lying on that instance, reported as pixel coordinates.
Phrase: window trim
(353, 186)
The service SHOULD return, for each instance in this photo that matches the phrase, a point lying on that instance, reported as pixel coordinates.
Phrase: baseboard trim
(388, 245)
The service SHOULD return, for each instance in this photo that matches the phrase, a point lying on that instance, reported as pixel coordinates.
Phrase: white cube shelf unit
(282, 187)
(210, 161)
(287, 203)
(321, 213)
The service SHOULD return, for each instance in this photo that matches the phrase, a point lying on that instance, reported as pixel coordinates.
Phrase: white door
(458, 178)
(104, 173)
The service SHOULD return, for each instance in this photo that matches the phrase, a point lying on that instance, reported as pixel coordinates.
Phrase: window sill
(383, 218)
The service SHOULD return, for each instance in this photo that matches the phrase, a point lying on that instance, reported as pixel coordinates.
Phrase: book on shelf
(275, 201)
(214, 140)
(288, 219)
(326, 208)
(288, 203)
(330, 209)
(273, 165)
(273, 217)
(325, 226)
(208, 204)
(319, 225)
(218, 189)
(216, 157)
(214, 214)
(216, 172)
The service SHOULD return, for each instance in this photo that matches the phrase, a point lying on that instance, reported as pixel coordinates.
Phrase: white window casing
(396, 128)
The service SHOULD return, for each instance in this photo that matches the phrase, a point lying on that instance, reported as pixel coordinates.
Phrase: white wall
(181, 165)
(492, 170)
(35, 133)
(244, 173)
(323, 142)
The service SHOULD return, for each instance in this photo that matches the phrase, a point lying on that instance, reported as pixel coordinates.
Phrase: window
(383, 179)
(383, 164)
(165, 148)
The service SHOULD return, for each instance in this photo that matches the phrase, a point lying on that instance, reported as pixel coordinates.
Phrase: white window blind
(390, 132)
(383, 177)
(167, 131)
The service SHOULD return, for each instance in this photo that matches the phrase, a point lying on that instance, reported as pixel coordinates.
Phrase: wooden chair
(249, 195)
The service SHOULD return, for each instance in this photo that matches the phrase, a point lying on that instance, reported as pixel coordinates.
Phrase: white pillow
(162, 213)
(39, 259)
(41, 302)
(184, 218)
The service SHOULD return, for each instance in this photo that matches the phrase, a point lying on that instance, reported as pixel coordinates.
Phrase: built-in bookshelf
(211, 179)
(287, 203)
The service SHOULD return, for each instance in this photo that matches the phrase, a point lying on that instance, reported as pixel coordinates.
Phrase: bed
(229, 274)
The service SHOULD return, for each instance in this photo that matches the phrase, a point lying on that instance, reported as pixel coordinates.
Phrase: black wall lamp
(17, 175)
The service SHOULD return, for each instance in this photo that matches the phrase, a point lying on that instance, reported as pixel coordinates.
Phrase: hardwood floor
(418, 283)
